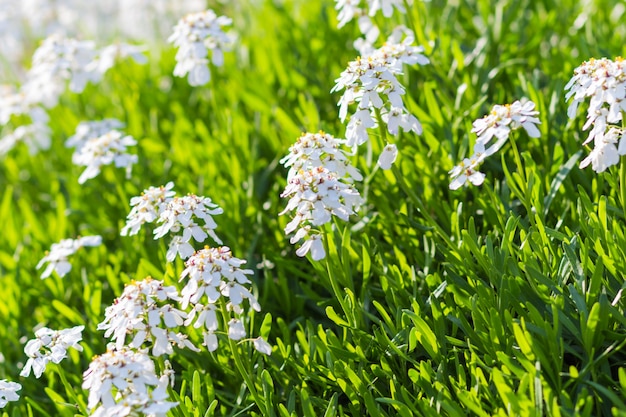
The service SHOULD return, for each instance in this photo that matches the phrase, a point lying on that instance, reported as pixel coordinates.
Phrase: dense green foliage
(504, 299)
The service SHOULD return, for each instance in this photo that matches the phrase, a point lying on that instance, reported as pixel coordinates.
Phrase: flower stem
(239, 363)
(70, 390)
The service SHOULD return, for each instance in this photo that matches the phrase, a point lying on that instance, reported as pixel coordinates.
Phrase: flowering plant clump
(50, 346)
(195, 35)
(137, 314)
(349, 9)
(57, 257)
(603, 82)
(498, 123)
(175, 215)
(124, 382)
(8, 392)
(371, 83)
(214, 274)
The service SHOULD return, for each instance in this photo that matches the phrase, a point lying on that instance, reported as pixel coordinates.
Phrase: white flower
(467, 171)
(313, 150)
(504, 118)
(183, 215)
(236, 331)
(195, 35)
(142, 313)
(498, 123)
(603, 82)
(59, 253)
(86, 131)
(109, 54)
(371, 82)
(57, 60)
(316, 195)
(50, 346)
(8, 392)
(110, 148)
(388, 156)
(214, 275)
(124, 382)
(147, 207)
(262, 346)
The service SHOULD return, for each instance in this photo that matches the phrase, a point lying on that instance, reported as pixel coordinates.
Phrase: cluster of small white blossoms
(349, 9)
(137, 314)
(124, 382)
(50, 346)
(100, 143)
(195, 35)
(215, 274)
(59, 253)
(371, 83)
(319, 186)
(498, 123)
(8, 392)
(603, 82)
(57, 60)
(176, 215)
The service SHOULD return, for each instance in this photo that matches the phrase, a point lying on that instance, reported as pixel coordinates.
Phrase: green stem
(421, 207)
(70, 391)
(339, 295)
(622, 172)
(518, 159)
(239, 363)
(409, 14)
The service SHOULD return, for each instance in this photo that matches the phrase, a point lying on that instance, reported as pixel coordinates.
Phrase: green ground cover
(504, 299)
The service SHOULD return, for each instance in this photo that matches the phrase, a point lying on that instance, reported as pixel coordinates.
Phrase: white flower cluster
(59, 253)
(56, 61)
(213, 274)
(348, 9)
(176, 215)
(195, 35)
(50, 346)
(498, 123)
(603, 82)
(371, 83)
(8, 392)
(138, 315)
(316, 195)
(36, 136)
(100, 143)
(124, 382)
(321, 149)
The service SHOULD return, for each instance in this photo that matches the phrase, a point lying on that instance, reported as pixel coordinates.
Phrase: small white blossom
(86, 131)
(59, 253)
(262, 346)
(192, 216)
(147, 207)
(124, 382)
(50, 346)
(388, 156)
(109, 54)
(8, 392)
(110, 148)
(142, 314)
(195, 35)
